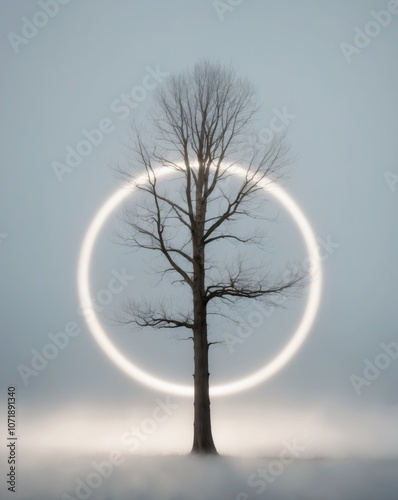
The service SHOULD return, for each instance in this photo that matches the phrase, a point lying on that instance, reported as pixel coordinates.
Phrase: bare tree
(200, 122)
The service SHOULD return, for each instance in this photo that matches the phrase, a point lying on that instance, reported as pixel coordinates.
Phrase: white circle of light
(270, 369)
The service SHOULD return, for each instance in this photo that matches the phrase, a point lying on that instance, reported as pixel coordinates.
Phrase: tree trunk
(202, 435)
(203, 439)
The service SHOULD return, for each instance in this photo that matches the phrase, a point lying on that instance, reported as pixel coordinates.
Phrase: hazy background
(343, 135)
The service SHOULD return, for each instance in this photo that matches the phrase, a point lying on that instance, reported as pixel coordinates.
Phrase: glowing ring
(270, 369)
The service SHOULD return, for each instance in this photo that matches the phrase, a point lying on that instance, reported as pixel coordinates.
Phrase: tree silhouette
(198, 129)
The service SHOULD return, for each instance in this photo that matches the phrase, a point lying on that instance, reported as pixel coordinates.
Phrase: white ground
(219, 478)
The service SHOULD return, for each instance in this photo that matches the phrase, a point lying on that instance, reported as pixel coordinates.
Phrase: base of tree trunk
(204, 449)
(213, 452)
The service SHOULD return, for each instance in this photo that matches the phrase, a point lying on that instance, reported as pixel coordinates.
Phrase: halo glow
(271, 368)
